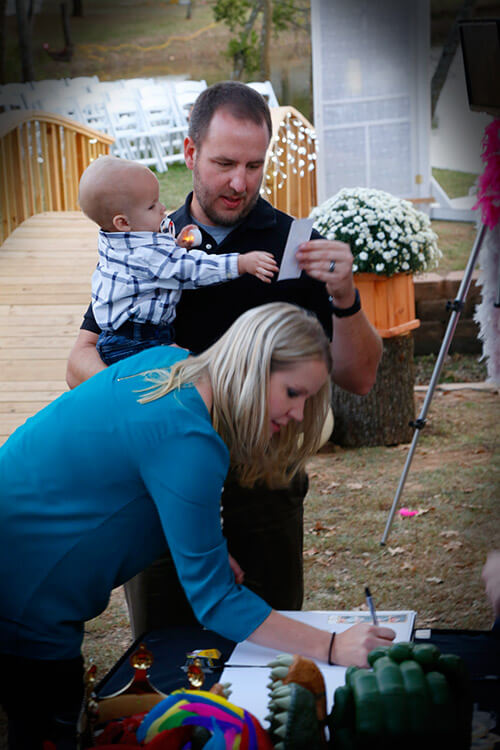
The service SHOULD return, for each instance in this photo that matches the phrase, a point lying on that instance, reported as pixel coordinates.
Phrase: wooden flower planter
(388, 302)
(382, 417)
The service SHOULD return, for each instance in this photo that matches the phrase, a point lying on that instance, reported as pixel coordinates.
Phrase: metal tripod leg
(456, 307)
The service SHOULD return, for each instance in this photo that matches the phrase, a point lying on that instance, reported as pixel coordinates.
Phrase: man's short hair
(240, 100)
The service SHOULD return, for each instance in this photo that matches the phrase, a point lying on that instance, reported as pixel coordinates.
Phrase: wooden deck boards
(45, 270)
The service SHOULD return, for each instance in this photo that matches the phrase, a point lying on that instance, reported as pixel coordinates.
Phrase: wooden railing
(290, 171)
(42, 157)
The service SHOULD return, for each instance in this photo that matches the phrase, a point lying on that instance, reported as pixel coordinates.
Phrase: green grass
(455, 184)
(431, 562)
(455, 240)
(457, 368)
(175, 184)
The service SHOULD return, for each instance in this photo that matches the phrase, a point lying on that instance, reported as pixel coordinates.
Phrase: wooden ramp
(45, 270)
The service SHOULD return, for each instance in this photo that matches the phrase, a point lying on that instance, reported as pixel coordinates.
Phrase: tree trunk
(77, 9)
(382, 417)
(265, 41)
(239, 57)
(447, 54)
(65, 26)
(25, 46)
(3, 8)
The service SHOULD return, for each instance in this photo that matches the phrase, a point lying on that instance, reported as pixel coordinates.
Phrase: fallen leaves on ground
(327, 490)
(320, 527)
(310, 552)
(454, 544)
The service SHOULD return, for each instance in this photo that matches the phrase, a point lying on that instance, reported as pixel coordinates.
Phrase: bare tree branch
(25, 43)
(3, 40)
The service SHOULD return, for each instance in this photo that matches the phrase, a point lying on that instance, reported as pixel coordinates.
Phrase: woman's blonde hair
(263, 340)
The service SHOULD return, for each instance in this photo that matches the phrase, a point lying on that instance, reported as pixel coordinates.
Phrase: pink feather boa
(489, 182)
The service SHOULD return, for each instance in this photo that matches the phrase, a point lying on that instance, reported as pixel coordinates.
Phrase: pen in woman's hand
(371, 605)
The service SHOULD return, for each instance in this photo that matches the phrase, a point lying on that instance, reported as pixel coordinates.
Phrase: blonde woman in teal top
(94, 486)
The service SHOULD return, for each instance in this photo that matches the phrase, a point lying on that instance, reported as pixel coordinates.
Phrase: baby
(142, 268)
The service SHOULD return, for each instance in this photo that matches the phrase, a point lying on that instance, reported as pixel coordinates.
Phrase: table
(480, 649)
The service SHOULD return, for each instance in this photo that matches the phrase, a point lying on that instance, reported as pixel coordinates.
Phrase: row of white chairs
(147, 117)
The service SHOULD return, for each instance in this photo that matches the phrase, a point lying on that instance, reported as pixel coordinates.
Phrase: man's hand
(356, 345)
(258, 263)
(329, 261)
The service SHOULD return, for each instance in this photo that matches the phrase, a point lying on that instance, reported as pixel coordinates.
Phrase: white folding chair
(164, 120)
(133, 139)
(81, 84)
(265, 88)
(62, 105)
(131, 85)
(9, 101)
(17, 88)
(49, 86)
(94, 112)
(187, 92)
(43, 90)
(107, 88)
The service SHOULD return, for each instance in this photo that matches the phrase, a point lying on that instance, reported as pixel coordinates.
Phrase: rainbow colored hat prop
(229, 727)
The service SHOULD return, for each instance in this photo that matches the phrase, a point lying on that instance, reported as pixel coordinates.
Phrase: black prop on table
(169, 648)
(480, 650)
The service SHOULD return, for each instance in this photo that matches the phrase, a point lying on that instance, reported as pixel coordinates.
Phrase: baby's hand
(258, 263)
(189, 236)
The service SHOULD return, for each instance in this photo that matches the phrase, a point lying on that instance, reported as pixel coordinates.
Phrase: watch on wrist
(346, 312)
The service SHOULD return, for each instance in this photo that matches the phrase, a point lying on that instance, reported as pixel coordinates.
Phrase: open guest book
(249, 675)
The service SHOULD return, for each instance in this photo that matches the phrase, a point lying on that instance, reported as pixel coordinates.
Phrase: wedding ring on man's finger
(331, 267)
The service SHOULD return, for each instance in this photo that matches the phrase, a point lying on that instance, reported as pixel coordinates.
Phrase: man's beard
(204, 199)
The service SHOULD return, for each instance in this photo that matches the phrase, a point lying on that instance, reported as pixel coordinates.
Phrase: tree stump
(382, 416)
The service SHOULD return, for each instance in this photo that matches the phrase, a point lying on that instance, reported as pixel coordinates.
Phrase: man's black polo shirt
(204, 314)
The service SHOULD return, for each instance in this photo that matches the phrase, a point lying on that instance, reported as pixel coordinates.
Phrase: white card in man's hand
(300, 231)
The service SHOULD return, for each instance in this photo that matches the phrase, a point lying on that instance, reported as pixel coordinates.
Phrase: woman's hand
(353, 645)
(350, 647)
(239, 574)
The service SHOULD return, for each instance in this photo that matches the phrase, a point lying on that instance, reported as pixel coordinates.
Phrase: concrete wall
(431, 295)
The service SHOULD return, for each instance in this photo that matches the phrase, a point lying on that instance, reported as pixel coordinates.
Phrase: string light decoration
(290, 172)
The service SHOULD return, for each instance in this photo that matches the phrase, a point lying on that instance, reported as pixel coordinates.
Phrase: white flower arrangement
(387, 235)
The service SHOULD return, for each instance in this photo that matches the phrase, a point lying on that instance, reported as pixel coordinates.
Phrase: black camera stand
(456, 308)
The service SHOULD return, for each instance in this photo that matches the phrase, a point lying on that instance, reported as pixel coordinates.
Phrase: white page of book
(249, 675)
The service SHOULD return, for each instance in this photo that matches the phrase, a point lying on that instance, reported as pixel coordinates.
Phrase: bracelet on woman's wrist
(330, 662)
(346, 312)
